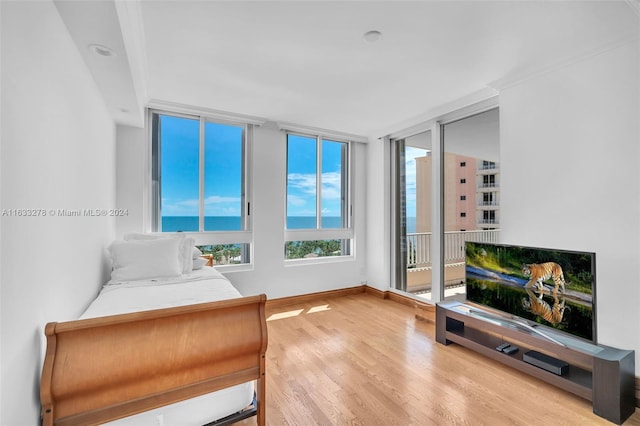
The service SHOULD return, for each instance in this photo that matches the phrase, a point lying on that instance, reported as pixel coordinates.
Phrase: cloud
(305, 183)
(215, 205)
(217, 199)
(332, 186)
(294, 200)
(302, 182)
(172, 207)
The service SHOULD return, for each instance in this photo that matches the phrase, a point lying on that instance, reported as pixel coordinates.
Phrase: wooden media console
(601, 374)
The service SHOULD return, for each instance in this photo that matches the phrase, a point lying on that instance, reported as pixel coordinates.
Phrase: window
(463, 214)
(463, 164)
(199, 183)
(489, 181)
(463, 181)
(488, 199)
(488, 216)
(317, 221)
(463, 197)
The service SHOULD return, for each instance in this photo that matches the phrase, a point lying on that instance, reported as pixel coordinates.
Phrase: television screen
(555, 288)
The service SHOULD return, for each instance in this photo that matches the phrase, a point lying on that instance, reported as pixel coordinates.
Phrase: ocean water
(190, 223)
(232, 223)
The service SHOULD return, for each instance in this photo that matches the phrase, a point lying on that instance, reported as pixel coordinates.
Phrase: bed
(163, 343)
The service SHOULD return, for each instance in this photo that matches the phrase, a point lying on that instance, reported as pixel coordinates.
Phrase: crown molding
(474, 103)
(635, 6)
(207, 112)
(525, 75)
(316, 131)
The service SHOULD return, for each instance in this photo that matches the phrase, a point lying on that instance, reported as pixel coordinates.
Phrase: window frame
(203, 237)
(346, 233)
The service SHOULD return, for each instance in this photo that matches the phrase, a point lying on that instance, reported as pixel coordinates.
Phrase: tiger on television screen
(539, 272)
(538, 306)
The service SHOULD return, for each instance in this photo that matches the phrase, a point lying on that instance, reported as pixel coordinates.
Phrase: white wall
(378, 194)
(58, 152)
(569, 176)
(131, 157)
(270, 274)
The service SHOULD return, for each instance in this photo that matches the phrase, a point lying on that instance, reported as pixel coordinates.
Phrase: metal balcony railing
(487, 166)
(489, 221)
(484, 185)
(419, 245)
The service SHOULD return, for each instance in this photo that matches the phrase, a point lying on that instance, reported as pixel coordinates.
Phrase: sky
(223, 168)
(180, 168)
(302, 154)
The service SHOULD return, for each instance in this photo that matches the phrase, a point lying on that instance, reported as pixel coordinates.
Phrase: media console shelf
(601, 374)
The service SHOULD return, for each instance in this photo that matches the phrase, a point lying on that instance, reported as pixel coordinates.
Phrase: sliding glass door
(445, 191)
(412, 214)
(471, 192)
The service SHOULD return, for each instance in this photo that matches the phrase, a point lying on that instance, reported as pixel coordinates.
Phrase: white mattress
(204, 285)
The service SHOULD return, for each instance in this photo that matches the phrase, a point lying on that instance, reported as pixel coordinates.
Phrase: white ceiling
(306, 62)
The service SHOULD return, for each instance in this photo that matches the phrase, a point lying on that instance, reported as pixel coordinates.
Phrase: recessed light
(101, 50)
(372, 36)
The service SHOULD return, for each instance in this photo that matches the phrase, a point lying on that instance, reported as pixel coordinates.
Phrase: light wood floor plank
(362, 360)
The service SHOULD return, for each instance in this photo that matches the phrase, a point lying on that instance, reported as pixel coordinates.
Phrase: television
(535, 286)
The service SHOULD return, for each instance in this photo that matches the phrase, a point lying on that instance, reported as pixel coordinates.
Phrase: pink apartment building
(471, 204)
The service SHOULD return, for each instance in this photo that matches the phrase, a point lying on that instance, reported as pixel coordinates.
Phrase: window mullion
(345, 190)
(245, 176)
(201, 178)
(318, 182)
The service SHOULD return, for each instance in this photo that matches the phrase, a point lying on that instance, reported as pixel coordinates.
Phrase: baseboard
(425, 311)
(375, 292)
(312, 297)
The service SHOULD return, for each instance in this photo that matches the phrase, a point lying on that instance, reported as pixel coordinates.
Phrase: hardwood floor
(362, 360)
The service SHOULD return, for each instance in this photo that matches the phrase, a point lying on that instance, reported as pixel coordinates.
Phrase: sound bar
(546, 362)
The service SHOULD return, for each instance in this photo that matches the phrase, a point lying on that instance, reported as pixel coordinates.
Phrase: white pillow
(196, 253)
(199, 263)
(141, 259)
(186, 248)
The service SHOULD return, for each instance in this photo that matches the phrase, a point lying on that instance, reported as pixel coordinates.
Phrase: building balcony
(419, 245)
(487, 171)
(492, 222)
(488, 185)
(419, 257)
(488, 205)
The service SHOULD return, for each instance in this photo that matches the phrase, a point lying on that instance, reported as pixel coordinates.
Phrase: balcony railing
(489, 221)
(419, 246)
(484, 185)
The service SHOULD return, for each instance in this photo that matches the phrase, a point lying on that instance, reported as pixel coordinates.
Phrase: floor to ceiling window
(445, 191)
(412, 218)
(471, 192)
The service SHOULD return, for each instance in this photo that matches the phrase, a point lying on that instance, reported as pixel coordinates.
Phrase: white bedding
(204, 285)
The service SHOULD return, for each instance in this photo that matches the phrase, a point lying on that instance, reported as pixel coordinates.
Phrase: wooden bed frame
(102, 369)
